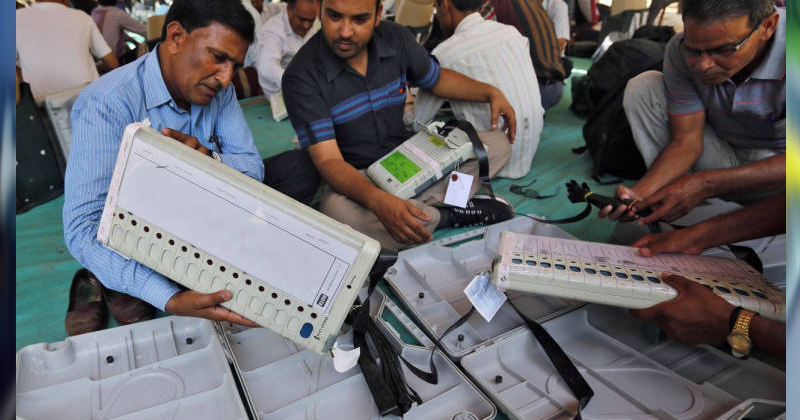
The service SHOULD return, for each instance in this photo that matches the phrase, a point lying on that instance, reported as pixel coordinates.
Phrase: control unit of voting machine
(208, 227)
(421, 160)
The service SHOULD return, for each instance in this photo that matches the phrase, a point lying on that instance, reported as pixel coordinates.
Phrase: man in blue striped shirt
(183, 89)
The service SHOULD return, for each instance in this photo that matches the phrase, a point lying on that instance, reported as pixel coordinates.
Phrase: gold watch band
(742, 325)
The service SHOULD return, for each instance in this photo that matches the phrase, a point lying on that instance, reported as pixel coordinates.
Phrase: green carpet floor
(45, 267)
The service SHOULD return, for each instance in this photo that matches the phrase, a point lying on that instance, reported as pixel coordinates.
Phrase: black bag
(581, 88)
(660, 34)
(606, 132)
(40, 176)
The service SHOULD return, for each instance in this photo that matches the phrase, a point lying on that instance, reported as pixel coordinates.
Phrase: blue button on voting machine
(306, 330)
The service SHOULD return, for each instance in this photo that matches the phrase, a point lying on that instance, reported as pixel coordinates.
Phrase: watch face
(740, 343)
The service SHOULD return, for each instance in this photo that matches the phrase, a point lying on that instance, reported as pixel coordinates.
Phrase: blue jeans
(551, 91)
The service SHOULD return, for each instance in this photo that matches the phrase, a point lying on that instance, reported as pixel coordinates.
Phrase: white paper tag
(484, 296)
(344, 360)
(458, 189)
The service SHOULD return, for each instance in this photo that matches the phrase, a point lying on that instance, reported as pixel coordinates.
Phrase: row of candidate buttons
(155, 248)
(561, 271)
(545, 263)
(586, 277)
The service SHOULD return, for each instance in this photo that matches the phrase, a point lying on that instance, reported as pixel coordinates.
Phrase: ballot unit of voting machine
(634, 371)
(208, 227)
(618, 275)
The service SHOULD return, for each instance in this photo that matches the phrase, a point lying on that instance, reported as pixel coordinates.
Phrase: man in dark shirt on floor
(345, 91)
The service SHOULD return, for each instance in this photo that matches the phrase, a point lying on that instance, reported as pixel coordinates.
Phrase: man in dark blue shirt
(345, 91)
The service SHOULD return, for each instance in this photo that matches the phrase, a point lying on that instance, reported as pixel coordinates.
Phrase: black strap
(748, 255)
(480, 151)
(564, 366)
(578, 217)
(380, 361)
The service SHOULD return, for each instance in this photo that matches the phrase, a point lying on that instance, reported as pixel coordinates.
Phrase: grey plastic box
(188, 368)
(59, 108)
(634, 373)
(440, 271)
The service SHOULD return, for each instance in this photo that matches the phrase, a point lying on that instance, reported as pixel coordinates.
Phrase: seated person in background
(345, 91)
(532, 21)
(183, 88)
(113, 22)
(271, 8)
(495, 54)
(698, 316)
(57, 47)
(280, 39)
(254, 8)
(764, 218)
(718, 110)
(558, 10)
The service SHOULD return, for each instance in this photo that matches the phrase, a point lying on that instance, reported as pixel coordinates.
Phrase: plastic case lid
(164, 368)
(188, 368)
(286, 382)
(430, 281)
(634, 377)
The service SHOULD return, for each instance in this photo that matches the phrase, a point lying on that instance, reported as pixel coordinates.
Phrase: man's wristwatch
(739, 337)
(215, 156)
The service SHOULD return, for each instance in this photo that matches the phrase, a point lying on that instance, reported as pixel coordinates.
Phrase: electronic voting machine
(617, 275)
(209, 227)
(421, 160)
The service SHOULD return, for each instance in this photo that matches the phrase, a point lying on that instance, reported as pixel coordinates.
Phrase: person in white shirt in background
(281, 38)
(558, 10)
(272, 8)
(57, 47)
(495, 54)
(113, 22)
(255, 7)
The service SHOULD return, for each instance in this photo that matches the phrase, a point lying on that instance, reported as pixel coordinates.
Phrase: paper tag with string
(458, 187)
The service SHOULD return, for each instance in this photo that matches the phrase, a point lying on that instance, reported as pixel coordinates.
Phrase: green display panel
(400, 166)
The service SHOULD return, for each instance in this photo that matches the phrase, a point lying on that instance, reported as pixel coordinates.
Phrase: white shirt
(252, 53)
(498, 55)
(57, 47)
(271, 9)
(559, 14)
(277, 45)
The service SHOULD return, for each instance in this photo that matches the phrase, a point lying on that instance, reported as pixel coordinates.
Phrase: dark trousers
(551, 91)
(292, 173)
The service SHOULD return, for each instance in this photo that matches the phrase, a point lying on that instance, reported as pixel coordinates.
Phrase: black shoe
(482, 210)
(87, 308)
(127, 309)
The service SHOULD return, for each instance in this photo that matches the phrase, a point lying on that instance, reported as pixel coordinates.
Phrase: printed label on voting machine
(484, 296)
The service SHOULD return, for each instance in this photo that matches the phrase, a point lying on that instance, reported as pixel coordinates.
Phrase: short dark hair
(464, 5)
(377, 4)
(107, 2)
(194, 14)
(704, 11)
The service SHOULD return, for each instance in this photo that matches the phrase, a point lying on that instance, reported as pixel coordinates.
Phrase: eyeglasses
(722, 51)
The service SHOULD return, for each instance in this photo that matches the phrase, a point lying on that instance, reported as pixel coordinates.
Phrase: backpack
(607, 133)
